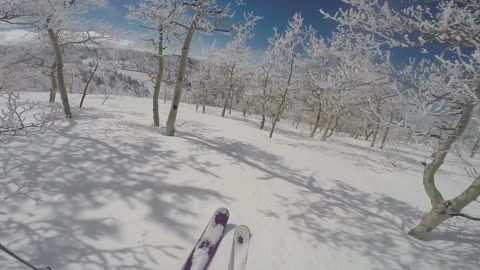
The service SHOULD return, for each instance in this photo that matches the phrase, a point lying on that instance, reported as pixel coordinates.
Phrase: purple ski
(206, 247)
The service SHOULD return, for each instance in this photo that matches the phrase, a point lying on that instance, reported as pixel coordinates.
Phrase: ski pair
(206, 247)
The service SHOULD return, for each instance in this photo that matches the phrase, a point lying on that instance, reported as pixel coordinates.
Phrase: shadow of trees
(64, 175)
(348, 219)
(375, 225)
(51, 188)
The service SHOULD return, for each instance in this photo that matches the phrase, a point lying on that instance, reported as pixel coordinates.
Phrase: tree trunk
(440, 153)
(446, 209)
(264, 101)
(158, 82)
(385, 135)
(177, 94)
(475, 148)
(333, 128)
(230, 89)
(205, 100)
(230, 105)
(165, 96)
(441, 209)
(322, 125)
(317, 121)
(282, 101)
(387, 130)
(326, 128)
(299, 120)
(375, 134)
(262, 123)
(53, 80)
(197, 103)
(71, 85)
(281, 113)
(245, 109)
(86, 86)
(368, 134)
(60, 78)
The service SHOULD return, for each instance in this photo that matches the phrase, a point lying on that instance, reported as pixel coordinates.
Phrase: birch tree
(342, 70)
(13, 12)
(60, 22)
(318, 68)
(208, 16)
(249, 88)
(209, 77)
(453, 84)
(159, 17)
(264, 83)
(286, 50)
(236, 53)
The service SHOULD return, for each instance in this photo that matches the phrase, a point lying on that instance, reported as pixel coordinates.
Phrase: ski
(241, 242)
(206, 247)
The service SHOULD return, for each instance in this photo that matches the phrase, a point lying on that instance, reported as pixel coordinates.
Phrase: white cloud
(199, 45)
(12, 37)
(17, 36)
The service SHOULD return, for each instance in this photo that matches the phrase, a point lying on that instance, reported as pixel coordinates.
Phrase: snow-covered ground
(109, 191)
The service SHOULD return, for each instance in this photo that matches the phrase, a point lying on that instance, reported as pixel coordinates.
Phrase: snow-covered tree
(286, 49)
(343, 73)
(58, 21)
(450, 88)
(264, 79)
(248, 88)
(236, 53)
(16, 114)
(208, 16)
(14, 11)
(159, 17)
(208, 78)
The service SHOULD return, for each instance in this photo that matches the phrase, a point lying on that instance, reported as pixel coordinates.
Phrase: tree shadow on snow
(68, 176)
(375, 226)
(283, 127)
(375, 159)
(345, 218)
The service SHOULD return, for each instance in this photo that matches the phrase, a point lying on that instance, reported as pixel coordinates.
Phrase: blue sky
(275, 13)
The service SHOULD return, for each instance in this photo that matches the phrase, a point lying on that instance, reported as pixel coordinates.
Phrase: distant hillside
(121, 71)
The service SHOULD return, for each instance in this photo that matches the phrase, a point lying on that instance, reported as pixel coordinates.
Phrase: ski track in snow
(107, 190)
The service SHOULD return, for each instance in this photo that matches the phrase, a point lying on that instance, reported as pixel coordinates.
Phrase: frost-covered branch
(14, 114)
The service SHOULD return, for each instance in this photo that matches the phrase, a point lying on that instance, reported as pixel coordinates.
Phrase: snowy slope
(108, 191)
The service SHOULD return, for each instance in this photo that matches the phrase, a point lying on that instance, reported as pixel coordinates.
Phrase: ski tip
(242, 236)
(222, 210)
(243, 231)
(221, 216)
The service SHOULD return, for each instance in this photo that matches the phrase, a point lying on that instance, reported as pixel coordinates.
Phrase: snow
(107, 190)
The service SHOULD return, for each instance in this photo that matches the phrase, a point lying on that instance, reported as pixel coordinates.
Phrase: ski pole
(6, 250)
